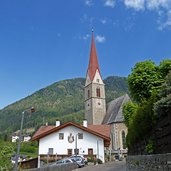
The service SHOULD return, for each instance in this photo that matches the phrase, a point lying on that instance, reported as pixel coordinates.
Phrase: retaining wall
(156, 162)
(60, 167)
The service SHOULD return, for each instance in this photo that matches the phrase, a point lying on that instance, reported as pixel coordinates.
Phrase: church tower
(95, 103)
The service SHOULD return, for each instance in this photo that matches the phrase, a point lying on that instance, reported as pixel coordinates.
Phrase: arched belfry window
(98, 92)
(88, 93)
(123, 140)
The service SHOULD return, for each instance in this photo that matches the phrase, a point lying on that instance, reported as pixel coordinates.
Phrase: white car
(66, 160)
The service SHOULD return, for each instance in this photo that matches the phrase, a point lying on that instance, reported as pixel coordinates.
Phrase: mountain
(62, 100)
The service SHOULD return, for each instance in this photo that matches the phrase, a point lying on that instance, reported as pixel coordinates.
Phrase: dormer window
(98, 92)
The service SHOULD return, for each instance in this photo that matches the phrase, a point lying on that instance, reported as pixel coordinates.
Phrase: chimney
(85, 123)
(57, 123)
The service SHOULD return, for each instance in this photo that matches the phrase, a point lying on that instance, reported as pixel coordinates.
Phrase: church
(102, 131)
(96, 110)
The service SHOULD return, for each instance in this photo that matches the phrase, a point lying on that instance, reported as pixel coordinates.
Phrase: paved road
(111, 166)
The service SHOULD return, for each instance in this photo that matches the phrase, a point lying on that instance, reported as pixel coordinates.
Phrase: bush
(99, 161)
(90, 159)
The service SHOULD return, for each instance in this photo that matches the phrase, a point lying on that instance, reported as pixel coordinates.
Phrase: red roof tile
(42, 130)
(102, 131)
(93, 63)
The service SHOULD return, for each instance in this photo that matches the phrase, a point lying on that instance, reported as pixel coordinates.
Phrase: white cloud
(103, 21)
(156, 4)
(85, 37)
(166, 23)
(84, 18)
(89, 2)
(110, 3)
(136, 4)
(149, 4)
(100, 39)
(161, 7)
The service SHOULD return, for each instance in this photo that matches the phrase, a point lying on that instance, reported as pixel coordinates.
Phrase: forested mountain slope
(62, 100)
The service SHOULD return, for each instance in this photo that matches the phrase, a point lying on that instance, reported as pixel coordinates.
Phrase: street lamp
(32, 109)
(76, 144)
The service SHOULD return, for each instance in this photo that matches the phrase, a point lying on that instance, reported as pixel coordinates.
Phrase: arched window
(88, 94)
(98, 92)
(123, 140)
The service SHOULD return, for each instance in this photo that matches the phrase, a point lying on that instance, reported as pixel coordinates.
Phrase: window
(123, 140)
(50, 151)
(98, 80)
(69, 152)
(88, 93)
(80, 135)
(98, 92)
(68, 161)
(76, 151)
(61, 136)
(90, 151)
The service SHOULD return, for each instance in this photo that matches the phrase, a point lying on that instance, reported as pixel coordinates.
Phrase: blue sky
(44, 41)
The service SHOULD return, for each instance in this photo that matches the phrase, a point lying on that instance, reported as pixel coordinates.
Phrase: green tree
(163, 105)
(144, 80)
(129, 109)
(146, 87)
(165, 67)
(6, 151)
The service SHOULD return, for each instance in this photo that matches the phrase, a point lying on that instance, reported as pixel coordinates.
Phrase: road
(111, 166)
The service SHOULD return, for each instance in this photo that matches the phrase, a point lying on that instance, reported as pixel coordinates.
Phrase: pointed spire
(93, 63)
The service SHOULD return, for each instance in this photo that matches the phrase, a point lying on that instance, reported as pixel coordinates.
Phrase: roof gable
(46, 130)
(114, 110)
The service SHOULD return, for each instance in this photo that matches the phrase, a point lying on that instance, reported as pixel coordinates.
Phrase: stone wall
(156, 162)
(60, 167)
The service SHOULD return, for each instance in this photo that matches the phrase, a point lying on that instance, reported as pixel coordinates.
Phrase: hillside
(63, 100)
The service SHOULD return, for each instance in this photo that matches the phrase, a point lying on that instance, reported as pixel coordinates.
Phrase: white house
(65, 140)
(15, 138)
(25, 138)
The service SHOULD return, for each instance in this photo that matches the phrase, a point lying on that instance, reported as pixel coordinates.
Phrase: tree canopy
(163, 105)
(146, 79)
(150, 88)
(6, 151)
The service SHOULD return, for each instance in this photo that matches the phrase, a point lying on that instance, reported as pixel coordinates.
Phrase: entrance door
(90, 151)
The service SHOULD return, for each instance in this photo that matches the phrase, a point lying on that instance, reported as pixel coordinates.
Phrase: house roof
(93, 63)
(46, 130)
(114, 110)
(102, 129)
(42, 130)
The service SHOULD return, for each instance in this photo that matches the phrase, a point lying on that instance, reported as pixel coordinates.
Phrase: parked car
(79, 160)
(65, 160)
(79, 155)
